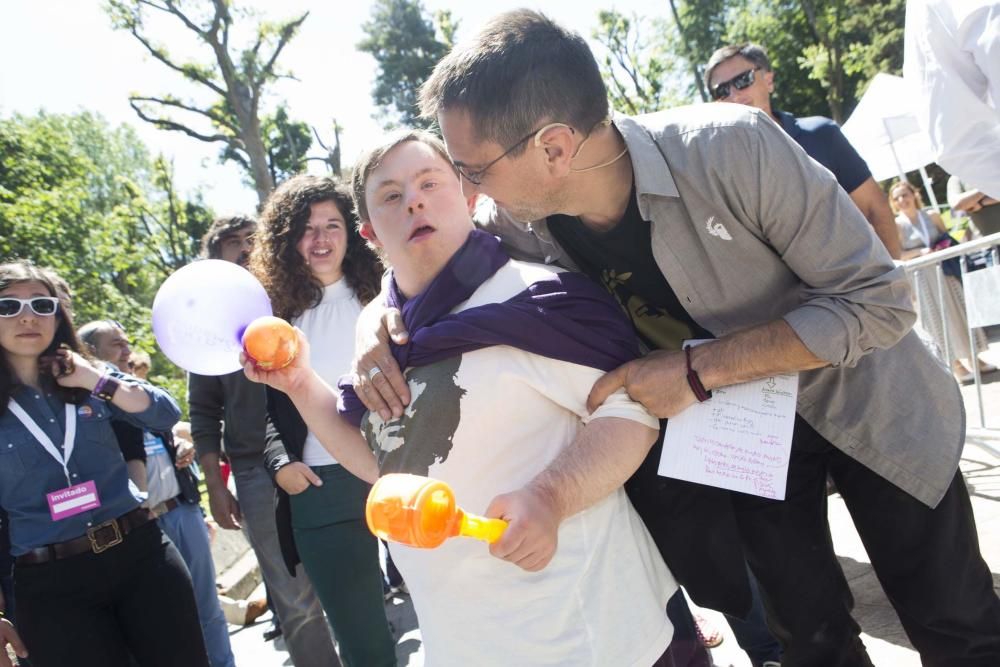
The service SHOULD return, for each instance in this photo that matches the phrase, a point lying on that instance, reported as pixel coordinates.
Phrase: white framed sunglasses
(43, 306)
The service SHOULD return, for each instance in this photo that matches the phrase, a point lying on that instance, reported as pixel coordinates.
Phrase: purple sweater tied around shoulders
(566, 317)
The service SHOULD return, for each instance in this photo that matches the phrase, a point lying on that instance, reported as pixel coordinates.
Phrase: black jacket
(284, 440)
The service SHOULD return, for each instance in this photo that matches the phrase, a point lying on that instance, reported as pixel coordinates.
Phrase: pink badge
(73, 500)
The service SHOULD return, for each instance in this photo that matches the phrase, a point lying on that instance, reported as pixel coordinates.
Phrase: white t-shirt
(486, 423)
(161, 477)
(329, 328)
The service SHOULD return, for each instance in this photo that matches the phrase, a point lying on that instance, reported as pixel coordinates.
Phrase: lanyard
(44, 440)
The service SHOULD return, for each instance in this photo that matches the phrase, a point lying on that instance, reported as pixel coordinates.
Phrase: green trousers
(340, 555)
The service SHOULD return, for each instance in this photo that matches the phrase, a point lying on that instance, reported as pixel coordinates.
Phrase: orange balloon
(271, 342)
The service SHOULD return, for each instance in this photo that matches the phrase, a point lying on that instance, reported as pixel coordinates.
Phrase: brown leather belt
(98, 538)
(165, 506)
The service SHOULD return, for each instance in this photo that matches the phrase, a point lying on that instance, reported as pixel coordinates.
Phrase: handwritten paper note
(740, 439)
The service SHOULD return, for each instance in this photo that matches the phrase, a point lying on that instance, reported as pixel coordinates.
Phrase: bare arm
(10, 638)
(659, 380)
(137, 473)
(224, 506)
(937, 220)
(605, 454)
(316, 402)
(129, 397)
(968, 201)
(871, 200)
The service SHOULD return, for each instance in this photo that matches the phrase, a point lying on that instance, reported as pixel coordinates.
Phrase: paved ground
(252, 651)
(883, 635)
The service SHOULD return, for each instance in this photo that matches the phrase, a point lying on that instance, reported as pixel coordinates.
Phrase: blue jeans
(185, 526)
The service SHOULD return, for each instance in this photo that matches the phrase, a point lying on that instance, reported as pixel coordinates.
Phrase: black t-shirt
(621, 259)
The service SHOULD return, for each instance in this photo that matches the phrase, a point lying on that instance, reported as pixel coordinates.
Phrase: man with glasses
(742, 74)
(709, 222)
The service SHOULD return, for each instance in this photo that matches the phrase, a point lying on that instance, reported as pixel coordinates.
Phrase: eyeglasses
(476, 177)
(42, 306)
(740, 82)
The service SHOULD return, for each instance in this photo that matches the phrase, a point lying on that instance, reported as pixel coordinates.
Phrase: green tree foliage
(404, 41)
(701, 29)
(87, 200)
(285, 142)
(633, 68)
(235, 79)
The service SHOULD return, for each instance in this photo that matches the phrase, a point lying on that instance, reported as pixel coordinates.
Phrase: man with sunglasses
(709, 221)
(742, 74)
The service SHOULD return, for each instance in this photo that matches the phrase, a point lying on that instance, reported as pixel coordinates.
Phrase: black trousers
(97, 609)
(927, 560)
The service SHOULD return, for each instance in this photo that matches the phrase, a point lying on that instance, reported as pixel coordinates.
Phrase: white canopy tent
(885, 131)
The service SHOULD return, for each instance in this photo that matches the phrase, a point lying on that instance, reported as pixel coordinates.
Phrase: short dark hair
(276, 260)
(755, 53)
(520, 70)
(211, 242)
(372, 158)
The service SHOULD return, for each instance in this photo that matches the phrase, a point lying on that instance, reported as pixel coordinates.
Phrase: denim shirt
(28, 472)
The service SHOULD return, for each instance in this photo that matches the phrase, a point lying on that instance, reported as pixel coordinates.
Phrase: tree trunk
(262, 180)
(695, 70)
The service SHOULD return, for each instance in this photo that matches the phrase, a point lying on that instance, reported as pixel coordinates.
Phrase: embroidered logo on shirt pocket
(717, 229)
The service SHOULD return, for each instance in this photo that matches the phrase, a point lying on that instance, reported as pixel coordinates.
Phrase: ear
(558, 142)
(367, 232)
(769, 81)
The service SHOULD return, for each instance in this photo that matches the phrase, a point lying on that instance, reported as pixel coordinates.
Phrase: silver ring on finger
(372, 372)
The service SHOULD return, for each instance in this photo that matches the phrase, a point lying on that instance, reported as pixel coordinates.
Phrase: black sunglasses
(739, 82)
(40, 305)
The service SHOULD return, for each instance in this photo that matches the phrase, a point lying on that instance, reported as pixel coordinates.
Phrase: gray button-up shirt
(748, 229)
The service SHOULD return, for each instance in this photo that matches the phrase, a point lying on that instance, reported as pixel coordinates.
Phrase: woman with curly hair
(319, 273)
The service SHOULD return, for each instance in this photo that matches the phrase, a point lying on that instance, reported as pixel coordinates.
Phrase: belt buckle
(95, 535)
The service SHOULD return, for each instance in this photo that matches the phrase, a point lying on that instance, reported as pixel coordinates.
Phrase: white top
(161, 478)
(329, 328)
(952, 63)
(486, 423)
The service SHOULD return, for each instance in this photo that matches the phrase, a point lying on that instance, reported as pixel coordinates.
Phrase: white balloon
(201, 311)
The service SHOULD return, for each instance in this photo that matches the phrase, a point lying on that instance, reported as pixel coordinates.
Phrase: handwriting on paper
(740, 439)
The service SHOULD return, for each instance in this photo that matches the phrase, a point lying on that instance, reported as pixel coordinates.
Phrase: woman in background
(919, 229)
(319, 273)
(95, 579)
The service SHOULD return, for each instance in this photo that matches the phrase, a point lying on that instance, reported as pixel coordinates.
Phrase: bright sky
(63, 56)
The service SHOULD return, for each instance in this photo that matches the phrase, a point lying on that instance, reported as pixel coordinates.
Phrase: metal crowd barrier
(985, 250)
